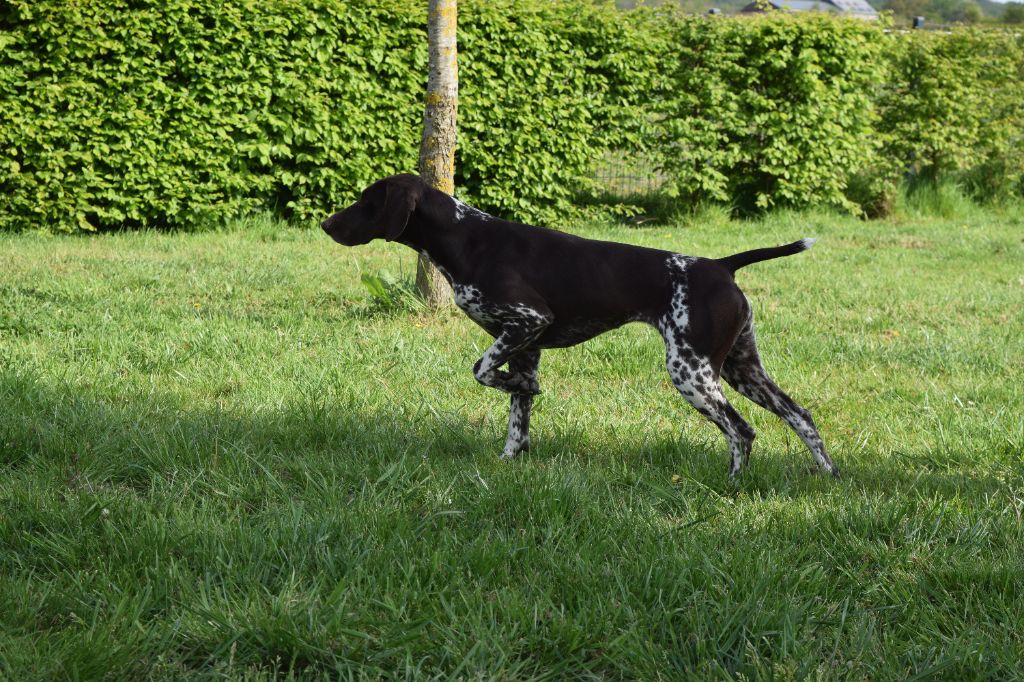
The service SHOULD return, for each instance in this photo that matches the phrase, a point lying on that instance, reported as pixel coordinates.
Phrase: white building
(855, 8)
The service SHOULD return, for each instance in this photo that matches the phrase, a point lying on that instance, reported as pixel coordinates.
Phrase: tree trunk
(437, 150)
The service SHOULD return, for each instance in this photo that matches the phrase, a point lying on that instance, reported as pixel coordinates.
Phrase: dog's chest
(495, 317)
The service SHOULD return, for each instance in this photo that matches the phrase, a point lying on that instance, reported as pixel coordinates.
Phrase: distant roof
(859, 8)
(804, 5)
(854, 6)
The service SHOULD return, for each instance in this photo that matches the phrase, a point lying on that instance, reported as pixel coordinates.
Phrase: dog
(533, 288)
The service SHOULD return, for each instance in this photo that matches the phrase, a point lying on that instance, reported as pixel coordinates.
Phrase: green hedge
(545, 88)
(173, 113)
(767, 111)
(812, 109)
(954, 108)
(176, 113)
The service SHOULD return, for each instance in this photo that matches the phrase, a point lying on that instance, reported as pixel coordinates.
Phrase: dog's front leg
(516, 337)
(520, 328)
(524, 364)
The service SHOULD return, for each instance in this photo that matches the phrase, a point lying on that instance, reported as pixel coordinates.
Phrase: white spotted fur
(462, 210)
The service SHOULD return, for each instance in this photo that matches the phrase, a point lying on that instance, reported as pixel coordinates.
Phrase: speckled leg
(695, 378)
(525, 365)
(517, 335)
(692, 373)
(744, 372)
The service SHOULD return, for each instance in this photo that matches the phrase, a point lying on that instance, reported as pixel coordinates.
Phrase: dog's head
(383, 210)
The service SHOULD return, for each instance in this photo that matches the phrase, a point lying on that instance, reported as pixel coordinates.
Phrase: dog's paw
(514, 449)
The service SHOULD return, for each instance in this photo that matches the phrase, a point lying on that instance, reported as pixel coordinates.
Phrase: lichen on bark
(437, 149)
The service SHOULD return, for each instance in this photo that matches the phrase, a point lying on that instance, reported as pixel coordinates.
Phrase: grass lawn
(219, 459)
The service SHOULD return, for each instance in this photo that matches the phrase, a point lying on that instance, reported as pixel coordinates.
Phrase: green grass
(220, 459)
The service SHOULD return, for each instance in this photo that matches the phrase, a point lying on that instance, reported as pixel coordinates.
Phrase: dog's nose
(323, 225)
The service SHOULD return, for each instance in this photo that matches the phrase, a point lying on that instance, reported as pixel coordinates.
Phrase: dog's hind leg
(697, 380)
(522, 365)
(745, 373)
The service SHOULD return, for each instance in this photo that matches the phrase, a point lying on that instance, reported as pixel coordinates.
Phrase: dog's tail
(739, 260)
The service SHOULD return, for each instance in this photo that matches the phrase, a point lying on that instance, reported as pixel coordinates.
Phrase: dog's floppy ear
(400, 199)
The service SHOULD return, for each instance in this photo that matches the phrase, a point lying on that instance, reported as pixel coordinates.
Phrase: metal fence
(622, 174)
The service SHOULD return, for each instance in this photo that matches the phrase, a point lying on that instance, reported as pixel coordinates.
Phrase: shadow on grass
(44, 423)
(128, 439)
(318, 531)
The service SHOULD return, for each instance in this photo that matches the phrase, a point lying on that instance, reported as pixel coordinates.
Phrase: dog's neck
(438, 227)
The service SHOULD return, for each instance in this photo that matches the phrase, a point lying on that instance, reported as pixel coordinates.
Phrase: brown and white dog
(533, 288)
